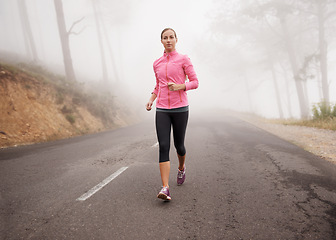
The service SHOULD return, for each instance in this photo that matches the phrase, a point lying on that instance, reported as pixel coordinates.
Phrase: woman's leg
(181, 161)
(163, 130)
(180, 122)
(165, 170)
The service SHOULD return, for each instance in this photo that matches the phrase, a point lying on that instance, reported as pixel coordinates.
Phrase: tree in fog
(284, 34)
(107, 14)
(320, 15)
(305, 25)
(278, 14)
(324, 15)
(98, 22)
(268, 49)
(114, 18)
(27, 32)
(110, 51)
(64, 36)
(255, 49)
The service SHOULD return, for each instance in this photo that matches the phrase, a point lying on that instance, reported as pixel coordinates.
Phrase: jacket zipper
(167, 80)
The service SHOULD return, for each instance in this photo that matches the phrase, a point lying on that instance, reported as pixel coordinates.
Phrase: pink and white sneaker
(164, 194)
(181, 176)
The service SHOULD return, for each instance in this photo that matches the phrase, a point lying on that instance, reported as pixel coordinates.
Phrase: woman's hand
(149, 105)
(150, 102)
(175, 87)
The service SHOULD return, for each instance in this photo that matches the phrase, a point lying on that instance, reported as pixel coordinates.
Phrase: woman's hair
(166, 29)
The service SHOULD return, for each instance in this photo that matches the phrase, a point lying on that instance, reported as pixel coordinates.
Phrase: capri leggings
(164, 121)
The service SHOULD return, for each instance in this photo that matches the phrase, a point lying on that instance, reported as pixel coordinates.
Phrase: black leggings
(164, 121)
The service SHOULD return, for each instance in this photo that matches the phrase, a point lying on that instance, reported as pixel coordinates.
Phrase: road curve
(242, 183)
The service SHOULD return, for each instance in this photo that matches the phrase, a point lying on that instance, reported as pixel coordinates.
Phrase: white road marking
(156, 144)
(101, 185)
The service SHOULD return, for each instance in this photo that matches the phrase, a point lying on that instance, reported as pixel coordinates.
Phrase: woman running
(172, 108)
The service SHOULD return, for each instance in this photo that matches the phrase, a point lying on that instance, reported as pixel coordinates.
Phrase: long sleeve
(190, 72)
(156, 88)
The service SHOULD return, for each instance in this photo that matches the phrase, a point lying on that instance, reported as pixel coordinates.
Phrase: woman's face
(169, 40)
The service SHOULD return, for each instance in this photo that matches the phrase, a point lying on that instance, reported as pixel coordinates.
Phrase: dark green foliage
(59, 98)
(70, 118)
(323, 110)
(66, 110)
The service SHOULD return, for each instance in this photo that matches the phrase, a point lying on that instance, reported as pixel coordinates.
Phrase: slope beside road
(242, 183)
(321, 142)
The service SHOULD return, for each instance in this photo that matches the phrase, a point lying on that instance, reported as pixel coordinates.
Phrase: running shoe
(181, 176)
(164, 194)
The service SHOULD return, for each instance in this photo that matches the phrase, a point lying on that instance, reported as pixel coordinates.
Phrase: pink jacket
(173, 67)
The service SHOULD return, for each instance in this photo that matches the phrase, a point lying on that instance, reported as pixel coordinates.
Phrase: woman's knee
(180, 150)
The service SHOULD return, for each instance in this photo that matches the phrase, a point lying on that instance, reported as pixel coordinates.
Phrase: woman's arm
(175, 87)
(190, 72)
(150, 102)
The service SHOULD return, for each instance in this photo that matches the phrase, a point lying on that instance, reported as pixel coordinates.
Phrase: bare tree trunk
(39, 38)
(110, 53)
(64, 36)
(323, 52)
(319, 81)
(305, 90)
(289, 102)
(248, 92)
(298, 84)
(100, 41)
(288, 94)
(276, 89)
(29, 39)
(120, 55)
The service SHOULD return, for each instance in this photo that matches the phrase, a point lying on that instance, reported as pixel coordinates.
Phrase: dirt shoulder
(35, 109)
(320, 142)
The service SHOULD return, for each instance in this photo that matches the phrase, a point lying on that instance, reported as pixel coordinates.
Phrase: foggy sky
(134, 32)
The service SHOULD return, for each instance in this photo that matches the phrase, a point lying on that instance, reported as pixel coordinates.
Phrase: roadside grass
(327, 123)
(323, 117)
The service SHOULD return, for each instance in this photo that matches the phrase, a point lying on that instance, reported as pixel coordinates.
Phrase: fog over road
(241, 183)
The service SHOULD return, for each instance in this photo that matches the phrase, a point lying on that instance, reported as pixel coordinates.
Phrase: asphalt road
(241, 183)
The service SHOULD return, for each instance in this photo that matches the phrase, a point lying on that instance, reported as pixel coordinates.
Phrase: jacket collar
(173, 53)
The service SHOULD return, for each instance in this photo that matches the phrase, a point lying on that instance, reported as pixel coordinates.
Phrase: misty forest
(274, 58)
(179, 119)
